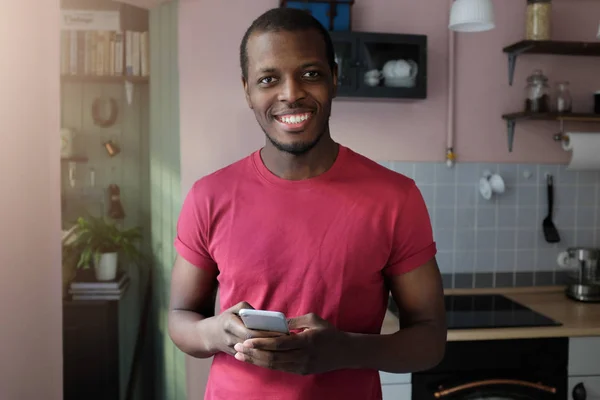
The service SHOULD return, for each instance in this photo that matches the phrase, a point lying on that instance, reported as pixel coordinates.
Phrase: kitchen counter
(578, 319)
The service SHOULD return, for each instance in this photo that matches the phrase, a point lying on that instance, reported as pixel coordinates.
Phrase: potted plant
(100, 241)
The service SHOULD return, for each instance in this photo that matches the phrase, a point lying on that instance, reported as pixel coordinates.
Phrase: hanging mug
(111, 148)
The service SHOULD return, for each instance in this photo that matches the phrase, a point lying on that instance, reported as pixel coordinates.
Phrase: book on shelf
(105, 53)
(86, 287)
(97, 296)
(86, 279)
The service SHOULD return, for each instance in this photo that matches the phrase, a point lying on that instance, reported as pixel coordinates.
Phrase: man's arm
(193, 327)
(192, 304)
(421, 342)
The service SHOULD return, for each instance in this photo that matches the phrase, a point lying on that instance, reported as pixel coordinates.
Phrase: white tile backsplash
(500, 241)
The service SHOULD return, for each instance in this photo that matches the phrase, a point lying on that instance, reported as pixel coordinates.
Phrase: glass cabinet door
(346, 59)
(400, 61)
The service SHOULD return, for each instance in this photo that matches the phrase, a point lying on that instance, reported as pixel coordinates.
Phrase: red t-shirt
(320, 245)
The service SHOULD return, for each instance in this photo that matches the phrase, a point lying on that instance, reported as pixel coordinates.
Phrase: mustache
(293, 108)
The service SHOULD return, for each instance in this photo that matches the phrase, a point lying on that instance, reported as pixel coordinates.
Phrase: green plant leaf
(94, 236)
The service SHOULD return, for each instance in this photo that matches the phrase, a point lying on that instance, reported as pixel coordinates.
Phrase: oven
(514, 369)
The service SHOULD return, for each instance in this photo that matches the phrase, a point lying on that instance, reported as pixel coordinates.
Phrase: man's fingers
(270, 356)
(236, 328)
(298, 323)
(240, 306)
(281, 343)
(283, 361)
(307, 321)
(267, 357)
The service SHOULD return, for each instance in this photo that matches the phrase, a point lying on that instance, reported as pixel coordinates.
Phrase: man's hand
(316, 348)
(230, 330)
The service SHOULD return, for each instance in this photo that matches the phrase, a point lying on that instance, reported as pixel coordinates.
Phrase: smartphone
(261, 320)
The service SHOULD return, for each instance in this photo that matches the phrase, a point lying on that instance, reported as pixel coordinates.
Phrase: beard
(296, 148)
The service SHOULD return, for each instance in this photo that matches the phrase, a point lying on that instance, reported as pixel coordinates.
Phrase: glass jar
(564, 101)
(537, 93)
(538, 19)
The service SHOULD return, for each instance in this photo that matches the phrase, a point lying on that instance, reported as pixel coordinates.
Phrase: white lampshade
(472, 16)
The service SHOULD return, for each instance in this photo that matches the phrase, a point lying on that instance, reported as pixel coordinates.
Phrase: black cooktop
(491, 311)
(481, 311)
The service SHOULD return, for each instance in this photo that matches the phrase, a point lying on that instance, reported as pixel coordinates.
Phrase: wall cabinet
(357, 53)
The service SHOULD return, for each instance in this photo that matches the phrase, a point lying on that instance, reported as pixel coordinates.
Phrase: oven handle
(486, 382)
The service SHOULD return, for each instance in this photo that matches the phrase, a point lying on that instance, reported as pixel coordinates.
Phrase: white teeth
(295, 119)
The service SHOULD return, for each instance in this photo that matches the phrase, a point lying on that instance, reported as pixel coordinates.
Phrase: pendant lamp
(472, 16)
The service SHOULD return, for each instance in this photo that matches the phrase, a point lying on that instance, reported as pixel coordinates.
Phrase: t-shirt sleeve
(412, 242)
(192, 225)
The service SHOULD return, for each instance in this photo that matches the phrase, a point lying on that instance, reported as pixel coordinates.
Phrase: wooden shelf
(555, 47)
(104, 79)
(551, 47)
(77, 159)
(581, 117)
(512, 118)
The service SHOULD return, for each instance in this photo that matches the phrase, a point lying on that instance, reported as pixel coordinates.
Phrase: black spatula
(550, 231)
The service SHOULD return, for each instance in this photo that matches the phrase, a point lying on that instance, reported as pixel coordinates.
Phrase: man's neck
(304, 166)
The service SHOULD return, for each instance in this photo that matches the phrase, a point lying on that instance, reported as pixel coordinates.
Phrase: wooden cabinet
(91, 350)
(360, 52)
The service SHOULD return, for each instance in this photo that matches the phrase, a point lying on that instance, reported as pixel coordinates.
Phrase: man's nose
(291, 90)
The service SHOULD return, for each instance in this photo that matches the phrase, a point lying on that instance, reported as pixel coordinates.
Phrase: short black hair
(285, 19)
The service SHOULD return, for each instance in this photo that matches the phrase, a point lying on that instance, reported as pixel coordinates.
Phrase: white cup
(497, 183)
(490, 184)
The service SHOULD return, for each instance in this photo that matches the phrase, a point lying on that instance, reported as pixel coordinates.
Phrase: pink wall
(217, 128)
(30, 260)
(483, 94)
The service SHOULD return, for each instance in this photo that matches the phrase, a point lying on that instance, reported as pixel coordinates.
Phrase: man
(307, 227)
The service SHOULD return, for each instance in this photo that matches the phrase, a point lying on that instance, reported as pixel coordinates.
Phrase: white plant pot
(106, 268)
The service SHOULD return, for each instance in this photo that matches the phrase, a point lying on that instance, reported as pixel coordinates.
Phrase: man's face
(290, 87)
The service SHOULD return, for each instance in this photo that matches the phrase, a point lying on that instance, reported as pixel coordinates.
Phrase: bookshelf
(104, 42)
(95, 65)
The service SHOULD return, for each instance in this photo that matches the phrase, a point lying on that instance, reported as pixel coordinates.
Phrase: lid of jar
(537, 76)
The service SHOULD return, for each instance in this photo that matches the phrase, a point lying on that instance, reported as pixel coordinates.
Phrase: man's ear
(246, 93)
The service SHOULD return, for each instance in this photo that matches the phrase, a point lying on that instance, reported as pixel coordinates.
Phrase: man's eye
(312, 74)
(267, 80)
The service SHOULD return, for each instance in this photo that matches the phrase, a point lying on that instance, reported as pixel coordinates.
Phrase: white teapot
(400, 73)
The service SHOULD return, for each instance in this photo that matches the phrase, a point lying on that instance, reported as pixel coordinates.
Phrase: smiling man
(308, 227)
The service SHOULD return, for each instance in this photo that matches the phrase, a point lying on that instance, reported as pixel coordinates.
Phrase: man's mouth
(294, 122)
